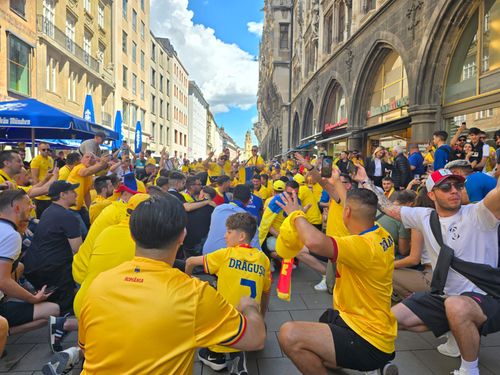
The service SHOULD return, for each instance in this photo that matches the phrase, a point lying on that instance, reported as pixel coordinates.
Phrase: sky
(218, 43)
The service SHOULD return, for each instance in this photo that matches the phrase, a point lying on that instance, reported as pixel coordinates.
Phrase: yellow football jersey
(365, 264)
(306, 196)
(156, 315)
(84, 187)
(43, 165)
(335, 223)
(64, 173)
(241, 271)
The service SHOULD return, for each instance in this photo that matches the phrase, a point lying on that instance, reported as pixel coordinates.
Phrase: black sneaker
(216, 361)
(239, 364)
(57, 364)
(56, 332)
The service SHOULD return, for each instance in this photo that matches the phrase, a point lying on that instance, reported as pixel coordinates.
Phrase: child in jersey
(241, 271)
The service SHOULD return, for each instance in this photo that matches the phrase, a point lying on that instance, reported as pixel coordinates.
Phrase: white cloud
(255, 28)
(227, 75)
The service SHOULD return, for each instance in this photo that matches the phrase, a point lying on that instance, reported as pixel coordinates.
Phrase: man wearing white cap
(469, 309)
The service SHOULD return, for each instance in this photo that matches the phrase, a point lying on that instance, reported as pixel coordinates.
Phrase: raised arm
(460, 130)
(492, 200)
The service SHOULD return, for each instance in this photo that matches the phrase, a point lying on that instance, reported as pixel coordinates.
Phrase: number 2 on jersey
(252, 285)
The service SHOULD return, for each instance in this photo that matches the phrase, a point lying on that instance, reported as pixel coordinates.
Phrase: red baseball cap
(437, 177)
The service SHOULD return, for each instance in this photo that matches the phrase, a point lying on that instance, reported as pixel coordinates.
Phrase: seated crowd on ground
(404, 239)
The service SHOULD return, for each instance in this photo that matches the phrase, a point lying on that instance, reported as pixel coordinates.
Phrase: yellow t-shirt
(317, 191)
(111, 215)
(214, 170)
(83, 189)
(335, 223)
(198, 167)
(64, 173)
(289, 164)
(254, 161)
(241, 271)
(262, 193)
(156, 315)
(185, 169)
(96, 207)
(365, 264)
(227, 167)
(188, 197)
(111, 248)
(313, 214)
(4, 177)
(44, 165)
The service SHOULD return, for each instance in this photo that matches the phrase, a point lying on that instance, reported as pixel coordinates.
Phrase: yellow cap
(279, 185)
(289, 244)
(135, 200)
(299, 178)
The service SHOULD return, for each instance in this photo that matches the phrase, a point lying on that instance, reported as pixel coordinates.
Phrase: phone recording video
(326, 166)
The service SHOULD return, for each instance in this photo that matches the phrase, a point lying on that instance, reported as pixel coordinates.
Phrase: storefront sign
(14, 121)
(330, 127)
(394, 104)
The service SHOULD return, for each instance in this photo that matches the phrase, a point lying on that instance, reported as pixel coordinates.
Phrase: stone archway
(295, 130)
(308, 121)
(333, 108)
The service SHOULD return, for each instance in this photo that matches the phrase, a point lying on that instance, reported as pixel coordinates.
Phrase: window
(141, 90)
(185, 140)
(161, 83)
(87, 6)
(134, 52)
(18, 6)
(283, 36)
(87, 47)
(134, 84)
(124, 41)
(143, 116)
(328, 29)
(369, 5)
(19, 66)
(142, 60)
(153, 77)
(133, 115)
(51, 74)
(142, 5)
(161, 132)
(90, 87)
(175, 136)
(486, 113)
(124, 8)
(161, 108)
(142, 30)
(341, 22)
(153, 104)
(125, 76)
(153, 51)
(168, 111)
(70, 33)
(491, 36)
(168, 87)
(72, 87)
(101, 53)
(49, 15)
(125, 110)
(100, 15)
(134, 20)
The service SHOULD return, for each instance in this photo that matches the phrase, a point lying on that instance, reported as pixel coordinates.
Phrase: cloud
(255, 28)
(226, 74)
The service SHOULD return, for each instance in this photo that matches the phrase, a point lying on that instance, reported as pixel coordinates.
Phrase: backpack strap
(445, 257)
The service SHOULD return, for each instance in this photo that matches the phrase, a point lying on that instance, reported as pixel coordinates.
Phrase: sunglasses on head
(445, 187)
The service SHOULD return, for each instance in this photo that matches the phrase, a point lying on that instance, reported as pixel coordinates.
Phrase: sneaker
(450, 347)
(216, 361)
(461, 371)
(321, 286)
(57, 365)
(272, 269)
(56, 332)
(239, 364)
(389, 369)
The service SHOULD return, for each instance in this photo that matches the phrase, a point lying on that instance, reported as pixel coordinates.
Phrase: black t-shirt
(343, 165)
(50, 245)
(178, 195)
(198, 225)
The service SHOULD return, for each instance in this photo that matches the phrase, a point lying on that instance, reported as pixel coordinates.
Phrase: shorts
(351, 350)
(17, 313)
(430, 309)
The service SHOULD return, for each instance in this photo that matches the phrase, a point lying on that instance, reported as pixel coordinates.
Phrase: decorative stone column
(424, 121)
(355, 142)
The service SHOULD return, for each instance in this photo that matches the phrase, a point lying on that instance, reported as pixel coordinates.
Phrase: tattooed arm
(385, 205)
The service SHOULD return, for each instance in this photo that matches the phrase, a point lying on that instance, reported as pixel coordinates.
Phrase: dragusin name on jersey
(243, 265)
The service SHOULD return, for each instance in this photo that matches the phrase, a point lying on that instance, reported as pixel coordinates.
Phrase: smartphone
(352, 169)
(326, 166)
(51, 289)
(417, 177)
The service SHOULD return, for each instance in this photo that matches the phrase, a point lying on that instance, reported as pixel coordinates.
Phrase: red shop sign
(330, 127)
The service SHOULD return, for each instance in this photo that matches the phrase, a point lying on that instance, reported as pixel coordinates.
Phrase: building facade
(158, 113)
(247, 148)
(197, 117)
(385, 72)
(74, 56)
(17, 49)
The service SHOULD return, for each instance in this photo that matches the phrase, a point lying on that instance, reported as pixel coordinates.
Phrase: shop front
(472, 92)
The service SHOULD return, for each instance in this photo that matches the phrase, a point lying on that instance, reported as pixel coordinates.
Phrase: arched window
(295, 131)
(307, 128)
(334, 112)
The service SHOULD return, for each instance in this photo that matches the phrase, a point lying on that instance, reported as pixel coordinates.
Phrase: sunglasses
(446, 187)
(462, 140)
(44, 149)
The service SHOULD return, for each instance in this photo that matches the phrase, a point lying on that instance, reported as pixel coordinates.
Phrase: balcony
(47, 28)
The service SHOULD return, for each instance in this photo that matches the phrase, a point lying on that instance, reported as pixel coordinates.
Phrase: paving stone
(197, 368)
(304, 273)
(437, 363)
(275, 366)
(317, 300)
(411, 341)
(34, 359)
(295, 303)
(305, 287)
(491, 340)
(489, 359)
(271, 349)
(15, 352)
(409, 364)
(275, 319)
(37, 336)
(307, 315)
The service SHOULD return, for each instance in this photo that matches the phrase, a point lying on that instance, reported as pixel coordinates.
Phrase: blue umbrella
(30, 119)
(118, 130)
(88, 109)
(138, 137)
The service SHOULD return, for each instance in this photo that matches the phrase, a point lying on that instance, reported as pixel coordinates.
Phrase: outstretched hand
(360, 174)
(290, 203)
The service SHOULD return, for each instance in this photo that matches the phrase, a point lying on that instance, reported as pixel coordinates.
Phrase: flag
(284, 287)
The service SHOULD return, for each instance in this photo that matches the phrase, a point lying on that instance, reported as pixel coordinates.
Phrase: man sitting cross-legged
(242, 271)
(360, 332)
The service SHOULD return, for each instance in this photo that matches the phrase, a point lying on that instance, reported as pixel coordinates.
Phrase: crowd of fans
(114, 245)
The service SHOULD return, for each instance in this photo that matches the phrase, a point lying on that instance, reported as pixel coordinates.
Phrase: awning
(314, 136)
(31, 119)
(334, 138)
(306, 145)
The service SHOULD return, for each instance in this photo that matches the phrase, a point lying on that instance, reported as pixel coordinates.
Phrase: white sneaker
(321, 286)
(271, 268)
(389, 369)
(450, 347)
(460, 371)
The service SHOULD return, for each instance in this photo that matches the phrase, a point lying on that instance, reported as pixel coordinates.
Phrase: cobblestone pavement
(416, 353)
